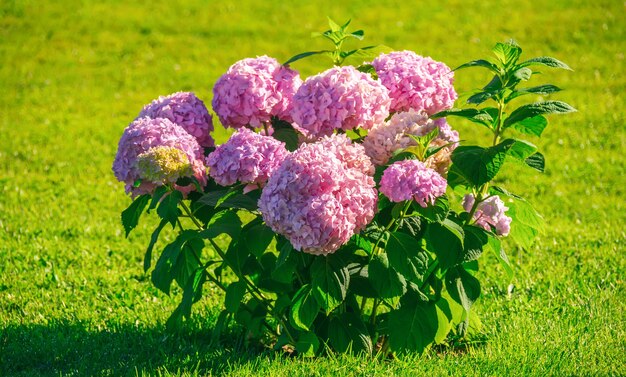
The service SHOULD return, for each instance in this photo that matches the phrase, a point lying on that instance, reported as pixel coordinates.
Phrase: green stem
(374, 311)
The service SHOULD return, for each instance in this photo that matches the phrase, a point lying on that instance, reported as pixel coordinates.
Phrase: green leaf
(507, 53)
(522, 149)
(147, 260)
(191, 293)
(225, 221)
(480, 97)
(445, 243)
(307, 344)
(444, 319)
(546, 61)
(485, 117)
(232, 198)
(304, 309)
(406, 256)
(541, 90)
(187, 263)
(531, 126)
(168, 208)
(364, 53)
(413, 326)
(475, 239)
(462, 287)
(334, 26)
(480, 165)
(436, 212)
(538, 108)
(289, 136)
(130, 216)
(479, 63)
(359, 34)
(348, 333)
(536, 161)
(329, 281)
(234, 296)
(257, 238)
(303, 55)
(167, 267)
(369, 69)
(494, 244)
(385, 280)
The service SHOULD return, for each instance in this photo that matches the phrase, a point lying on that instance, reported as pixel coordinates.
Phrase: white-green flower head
(164, 165)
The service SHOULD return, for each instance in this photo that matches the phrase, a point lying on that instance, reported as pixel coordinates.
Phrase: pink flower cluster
(383, 140)
(489, 213)
(246, 157)
(185, 110)
(143, 135)
(415, 82)
(319, 199)
(253, 90)
(411, 179)
(339, 98)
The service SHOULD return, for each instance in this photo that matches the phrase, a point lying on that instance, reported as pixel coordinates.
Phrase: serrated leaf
(480, 97)
(445, 243)
(385, 280)
(538, 108)
(329, 281)
(546, 61)
(536, 161)
(531, 126)
(480, 165)
(541, 90)
(130, 216)
(303, 55)
(413, 326)
(147, 260)
(486, 116)
(479, 63)
(495, 245)
(304, 309)
(348, 332)
(522, 149)
(462, 287)
(225, 221)
(232, 198)
(257, 238)
(289, 136)
(406, 256)
(507, 53)
(307, 344)
(436, 212)
(168, 208)
(475, 239)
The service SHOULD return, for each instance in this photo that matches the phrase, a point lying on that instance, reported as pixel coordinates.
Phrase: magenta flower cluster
(411, 179)
(386, 138)
(316, 199)
(416, 82)
(254, 90)
(185, 110)
(246, 157)
(140, 137)
(339, 98)
(489, 213)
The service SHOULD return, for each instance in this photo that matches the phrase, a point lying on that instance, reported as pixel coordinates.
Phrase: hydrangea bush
(344, 213)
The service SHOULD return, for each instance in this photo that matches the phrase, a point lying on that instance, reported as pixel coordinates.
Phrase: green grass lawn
(74, 299)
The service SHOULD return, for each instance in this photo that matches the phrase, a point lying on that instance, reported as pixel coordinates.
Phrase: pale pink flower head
(416, 82)
(489, 213)
(339, 98)
(383, 140)
(246, 157)
(254, 90)
(411, 179)
(185, 110)
(146, 146)
(352, 154)
(316, 200)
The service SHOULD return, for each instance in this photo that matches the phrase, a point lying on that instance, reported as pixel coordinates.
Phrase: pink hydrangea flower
(253, 90)
(185, 110)
(489, 213)
(383, 140)
(246, 157)
(411, 179)
(351, 154)
(416, 82)
(142, 136)
(316, 200)
(339, 98)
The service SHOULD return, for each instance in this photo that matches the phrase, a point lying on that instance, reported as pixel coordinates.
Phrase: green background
(73, 296)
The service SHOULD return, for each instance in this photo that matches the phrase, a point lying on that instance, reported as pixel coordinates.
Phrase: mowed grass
(74, 299)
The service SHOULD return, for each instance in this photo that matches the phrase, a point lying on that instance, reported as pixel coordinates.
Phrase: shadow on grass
(72, 349)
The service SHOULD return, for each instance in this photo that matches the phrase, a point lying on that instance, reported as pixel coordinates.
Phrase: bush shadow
(64, 348)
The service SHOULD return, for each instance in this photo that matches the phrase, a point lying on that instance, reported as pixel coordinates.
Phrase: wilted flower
(411, 179)
(246, 157)
(253, 90)
(383, 140)
(185, 110)
(154, 139)
(316, 200)
(415, 82)
(339, 98)
(489, 213)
